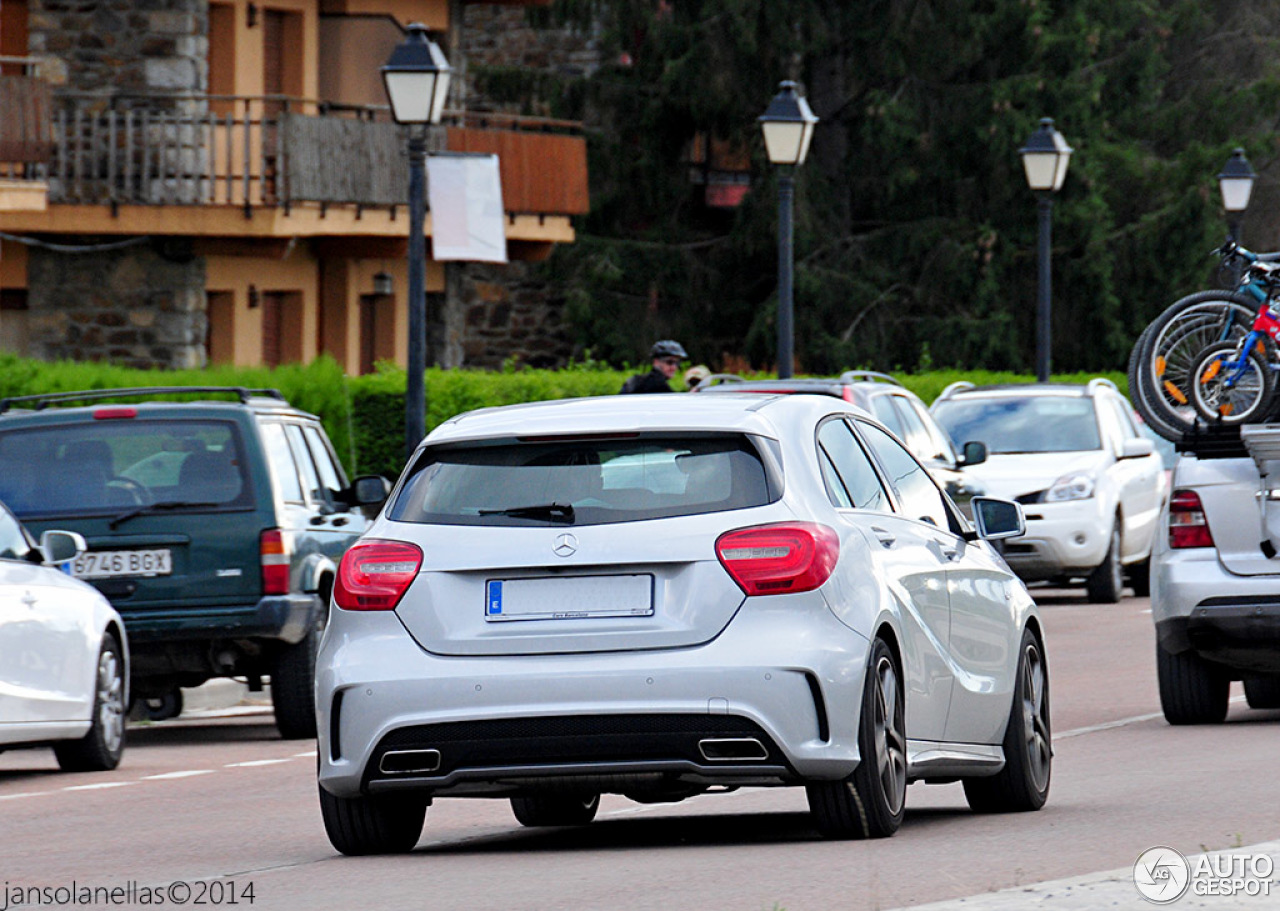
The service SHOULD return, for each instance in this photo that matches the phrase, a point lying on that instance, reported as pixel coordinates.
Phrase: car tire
(293, 688)
(373, 825)
(1023, 783)
(162, 708)
(101, 748)
(1262, 691)
(871, 802)
(1192, 691)
(1140, 578)
(556, 809)
(1105, 584)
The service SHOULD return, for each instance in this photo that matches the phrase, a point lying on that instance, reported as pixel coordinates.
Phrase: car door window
(1112, 435)
(852, 467)
(280, 458)
(917, 437)
(330, 471)
(306, 467)
(939, 443)
(882, 408)
(919, 496)
(13, 541)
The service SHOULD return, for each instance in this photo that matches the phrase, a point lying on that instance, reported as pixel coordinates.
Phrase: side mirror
(1136, 448)
(973, 453)
(370, 490)
(996, 519)
(61, 547)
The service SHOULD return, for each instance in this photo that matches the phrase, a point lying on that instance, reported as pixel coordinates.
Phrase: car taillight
(374, 575)
(275, 562)
(779, 559)
(1187, 524)
(114, 414)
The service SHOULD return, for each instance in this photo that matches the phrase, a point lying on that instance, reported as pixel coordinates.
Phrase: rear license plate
(576, 597)
(104, 564)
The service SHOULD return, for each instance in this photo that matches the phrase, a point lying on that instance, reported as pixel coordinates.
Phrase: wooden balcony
(278, 152)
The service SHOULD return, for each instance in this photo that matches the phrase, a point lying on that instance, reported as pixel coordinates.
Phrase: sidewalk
(224, 696)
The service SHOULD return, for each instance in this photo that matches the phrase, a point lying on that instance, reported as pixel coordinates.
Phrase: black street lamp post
(417, 82)
(787, 125)
(1044, 158)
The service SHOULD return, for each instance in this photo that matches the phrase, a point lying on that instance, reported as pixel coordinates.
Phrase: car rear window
(1035, 423)
(510, 482)
(106, 466)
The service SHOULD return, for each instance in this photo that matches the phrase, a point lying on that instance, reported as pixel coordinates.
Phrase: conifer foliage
(915, 230)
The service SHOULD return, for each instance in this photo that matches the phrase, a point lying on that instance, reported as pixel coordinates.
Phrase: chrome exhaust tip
(409, 762)
(732, 749)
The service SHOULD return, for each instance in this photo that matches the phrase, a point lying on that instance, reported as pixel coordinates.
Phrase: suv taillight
(374, 575)
(779, 559)
(275, 562)
(1187, 524)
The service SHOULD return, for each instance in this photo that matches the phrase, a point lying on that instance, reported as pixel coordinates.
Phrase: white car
(658, 596)
(1091, 484)
(64, 657)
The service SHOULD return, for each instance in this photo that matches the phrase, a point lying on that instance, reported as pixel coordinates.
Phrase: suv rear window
(109, 465)
(508, 482)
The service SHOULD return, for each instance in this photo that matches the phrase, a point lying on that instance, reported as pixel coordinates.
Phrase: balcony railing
(275, 151)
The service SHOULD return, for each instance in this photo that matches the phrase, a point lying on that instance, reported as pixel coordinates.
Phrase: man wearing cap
(666, 356)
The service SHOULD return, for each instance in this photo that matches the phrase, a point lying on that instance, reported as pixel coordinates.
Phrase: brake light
(847, 395)
(780, 559)
(111, 414)
(1187, 524)
(374, 575)
(275, 562)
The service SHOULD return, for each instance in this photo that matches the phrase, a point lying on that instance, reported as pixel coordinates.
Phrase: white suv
(1091, 484)
(1215, 576)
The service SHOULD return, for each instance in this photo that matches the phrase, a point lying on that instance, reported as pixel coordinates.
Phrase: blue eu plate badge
(494, 601)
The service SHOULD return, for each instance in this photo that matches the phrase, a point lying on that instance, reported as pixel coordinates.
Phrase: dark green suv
(214, 527)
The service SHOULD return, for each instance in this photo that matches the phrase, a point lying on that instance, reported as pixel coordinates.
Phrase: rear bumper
(1240, 630)
(283, 617)
(616, 720)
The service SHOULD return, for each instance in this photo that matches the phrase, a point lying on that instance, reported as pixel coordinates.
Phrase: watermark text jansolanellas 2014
(1163, 875)
(179, 893)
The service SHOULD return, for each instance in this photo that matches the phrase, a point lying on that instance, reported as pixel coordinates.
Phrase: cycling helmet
(667, 348)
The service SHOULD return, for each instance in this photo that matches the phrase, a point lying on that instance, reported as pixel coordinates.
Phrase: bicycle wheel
(1136, 392)
(1223, 393)
(1174, 341)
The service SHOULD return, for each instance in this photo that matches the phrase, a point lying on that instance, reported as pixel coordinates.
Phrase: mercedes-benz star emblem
(565, 546)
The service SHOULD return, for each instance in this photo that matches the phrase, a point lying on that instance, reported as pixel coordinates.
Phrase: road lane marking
(308, 755)
(24, 794)
(254, 762)
(184, 774)
(99, 787)
(1119, 723)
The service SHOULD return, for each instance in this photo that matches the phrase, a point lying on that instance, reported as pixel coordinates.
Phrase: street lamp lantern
(1236, 184)
(417, 78)
(1044, 159)
(787, 125)
(417, 81)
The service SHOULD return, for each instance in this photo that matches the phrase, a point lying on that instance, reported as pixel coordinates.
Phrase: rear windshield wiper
(162, 506)
(555, 512)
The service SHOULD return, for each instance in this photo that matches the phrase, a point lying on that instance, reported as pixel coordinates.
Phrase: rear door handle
(883, 536)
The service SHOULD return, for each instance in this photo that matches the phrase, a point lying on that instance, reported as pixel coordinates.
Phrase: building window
(377, 330)
(13, 320)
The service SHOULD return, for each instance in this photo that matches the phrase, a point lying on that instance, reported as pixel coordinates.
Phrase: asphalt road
(223, 805)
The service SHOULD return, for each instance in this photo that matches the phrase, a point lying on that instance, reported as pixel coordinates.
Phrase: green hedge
(364, 415)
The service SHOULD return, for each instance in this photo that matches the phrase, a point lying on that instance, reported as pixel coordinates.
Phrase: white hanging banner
(465, 195)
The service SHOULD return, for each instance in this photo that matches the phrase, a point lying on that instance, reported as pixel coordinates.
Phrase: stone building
(186, 182)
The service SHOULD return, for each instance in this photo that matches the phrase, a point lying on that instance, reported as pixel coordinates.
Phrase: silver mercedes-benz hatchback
(657, 595)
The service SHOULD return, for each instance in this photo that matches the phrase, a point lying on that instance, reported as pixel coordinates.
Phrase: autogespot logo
(1161, 875)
